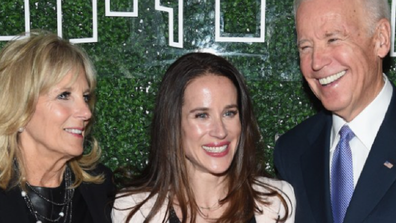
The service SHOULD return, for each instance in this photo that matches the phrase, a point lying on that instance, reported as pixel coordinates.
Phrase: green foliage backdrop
(132, 53)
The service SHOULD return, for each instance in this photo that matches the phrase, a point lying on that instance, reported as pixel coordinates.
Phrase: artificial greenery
(132, 54)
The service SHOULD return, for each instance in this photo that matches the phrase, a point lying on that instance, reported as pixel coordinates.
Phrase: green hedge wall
(132, 53)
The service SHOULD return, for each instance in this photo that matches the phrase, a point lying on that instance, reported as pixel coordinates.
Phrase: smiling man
(340, 161)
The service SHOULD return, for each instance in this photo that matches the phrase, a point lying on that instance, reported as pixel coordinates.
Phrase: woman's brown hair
(166, 174)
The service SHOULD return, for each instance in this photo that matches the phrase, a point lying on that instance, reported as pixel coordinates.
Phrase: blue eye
(87, 97)
(231, 113)
(201, 115)
(64, 95)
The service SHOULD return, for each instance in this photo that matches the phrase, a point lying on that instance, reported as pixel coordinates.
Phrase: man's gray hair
(376, 10)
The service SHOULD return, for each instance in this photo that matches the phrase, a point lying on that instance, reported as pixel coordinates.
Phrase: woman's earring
(21, 129)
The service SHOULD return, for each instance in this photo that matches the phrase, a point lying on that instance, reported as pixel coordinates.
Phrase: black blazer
(99, 199)
(301, 157)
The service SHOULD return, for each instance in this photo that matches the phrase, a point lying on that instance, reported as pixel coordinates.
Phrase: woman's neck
(43, 174)
(208, 189)
(42, 167)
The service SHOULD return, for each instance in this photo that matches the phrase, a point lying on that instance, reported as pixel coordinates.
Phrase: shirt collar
(364, 126)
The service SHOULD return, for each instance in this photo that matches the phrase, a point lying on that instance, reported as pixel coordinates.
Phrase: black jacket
(302, 157)
(98, 197)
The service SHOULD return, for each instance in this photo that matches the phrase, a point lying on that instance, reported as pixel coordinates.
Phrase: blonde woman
(46, 102)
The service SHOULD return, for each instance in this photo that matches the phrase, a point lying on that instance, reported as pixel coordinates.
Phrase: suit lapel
(89, 198)
(376, 179)
(94, 202)
(315, 170)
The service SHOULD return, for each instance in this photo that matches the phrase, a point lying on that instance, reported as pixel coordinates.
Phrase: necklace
(211, 208)
(65, 207)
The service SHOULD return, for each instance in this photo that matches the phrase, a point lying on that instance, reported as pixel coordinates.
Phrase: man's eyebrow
(326, 35)
(332, 33)
(299, 42)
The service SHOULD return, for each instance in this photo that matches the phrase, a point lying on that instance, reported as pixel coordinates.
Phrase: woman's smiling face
(56, 129)
(210, 124)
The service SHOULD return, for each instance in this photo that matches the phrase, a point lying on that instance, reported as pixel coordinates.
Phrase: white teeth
(332, 78)
(75, 131)
(215, 149)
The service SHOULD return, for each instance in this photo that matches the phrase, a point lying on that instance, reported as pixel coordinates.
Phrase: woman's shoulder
(124, 199)
(265, 184)
(125, 202)
(108, 181)
(276, 207)
(105, 188)
(100, 169)
(273, 183)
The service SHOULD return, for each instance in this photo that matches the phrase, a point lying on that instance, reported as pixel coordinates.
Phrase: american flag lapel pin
(388, 164)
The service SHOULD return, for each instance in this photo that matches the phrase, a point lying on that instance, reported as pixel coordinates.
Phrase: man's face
(339, 57)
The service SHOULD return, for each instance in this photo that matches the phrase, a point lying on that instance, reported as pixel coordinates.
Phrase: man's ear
(382, 38)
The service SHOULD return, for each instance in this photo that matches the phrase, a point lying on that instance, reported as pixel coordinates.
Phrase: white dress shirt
(365, 126)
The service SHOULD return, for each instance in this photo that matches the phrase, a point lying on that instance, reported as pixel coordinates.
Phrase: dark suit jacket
(301, 157)
(98, 197)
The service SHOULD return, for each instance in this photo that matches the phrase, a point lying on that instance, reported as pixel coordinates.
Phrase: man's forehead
(326, 20)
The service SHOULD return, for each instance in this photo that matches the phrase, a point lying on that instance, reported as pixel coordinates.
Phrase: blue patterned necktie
(342, 175)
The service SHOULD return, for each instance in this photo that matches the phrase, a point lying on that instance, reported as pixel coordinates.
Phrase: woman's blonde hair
(29, 66)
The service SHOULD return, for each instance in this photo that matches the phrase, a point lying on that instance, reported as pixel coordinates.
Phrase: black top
(79, 213)
(174, 219)
(96, 199)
